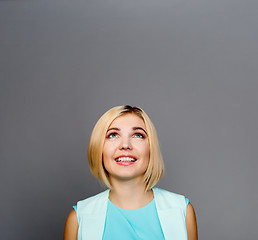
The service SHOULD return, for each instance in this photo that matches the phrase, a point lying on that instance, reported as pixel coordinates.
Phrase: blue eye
(112, 135)
(139, 135)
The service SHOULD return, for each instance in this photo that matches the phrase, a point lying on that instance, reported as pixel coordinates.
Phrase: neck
(130, 194)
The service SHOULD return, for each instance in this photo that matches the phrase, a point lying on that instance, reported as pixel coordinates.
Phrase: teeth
(125, 159)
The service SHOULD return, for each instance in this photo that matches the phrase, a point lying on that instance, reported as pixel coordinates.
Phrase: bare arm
(71, 226)
(191, 224)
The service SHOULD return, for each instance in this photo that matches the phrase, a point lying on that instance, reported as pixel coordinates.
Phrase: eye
(112, 135)
(139, 135)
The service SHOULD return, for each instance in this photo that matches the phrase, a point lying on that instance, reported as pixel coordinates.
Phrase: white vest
(171, 208)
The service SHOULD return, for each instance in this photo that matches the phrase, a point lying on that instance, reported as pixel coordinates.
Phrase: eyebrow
(134, 128)
(110, 129)
(139, 128)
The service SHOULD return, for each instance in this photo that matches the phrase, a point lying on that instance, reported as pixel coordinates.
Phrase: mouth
(125, 159)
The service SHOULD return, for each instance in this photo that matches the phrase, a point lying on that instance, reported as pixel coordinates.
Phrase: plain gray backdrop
(192, 65)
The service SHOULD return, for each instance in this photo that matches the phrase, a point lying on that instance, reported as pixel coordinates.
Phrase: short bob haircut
(155, 168)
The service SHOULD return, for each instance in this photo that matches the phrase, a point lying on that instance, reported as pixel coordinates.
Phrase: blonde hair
(155, 167)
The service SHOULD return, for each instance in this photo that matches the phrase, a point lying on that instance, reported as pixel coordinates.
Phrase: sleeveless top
(138, 224)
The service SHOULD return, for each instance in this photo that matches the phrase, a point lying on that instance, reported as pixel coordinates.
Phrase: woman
(124, 153)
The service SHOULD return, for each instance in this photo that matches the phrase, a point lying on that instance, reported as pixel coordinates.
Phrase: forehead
(128, 120)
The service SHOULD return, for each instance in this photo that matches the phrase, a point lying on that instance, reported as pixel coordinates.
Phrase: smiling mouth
(125, 159)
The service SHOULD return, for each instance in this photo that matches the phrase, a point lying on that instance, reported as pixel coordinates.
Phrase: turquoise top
(138, 224)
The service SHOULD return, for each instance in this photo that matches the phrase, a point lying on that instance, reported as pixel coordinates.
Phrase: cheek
(144, 149)
(108, 150)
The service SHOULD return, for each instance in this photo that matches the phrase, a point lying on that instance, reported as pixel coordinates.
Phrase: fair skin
(126, 156)
(127, 137)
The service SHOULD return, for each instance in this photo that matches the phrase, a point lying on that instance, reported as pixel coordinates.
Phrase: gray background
(191, 65)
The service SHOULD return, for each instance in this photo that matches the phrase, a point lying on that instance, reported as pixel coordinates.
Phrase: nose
(125, 144)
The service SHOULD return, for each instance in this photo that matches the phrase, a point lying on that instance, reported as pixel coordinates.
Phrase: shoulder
(167, 193)
(170, 199)
(91, 204)
(71, 226)
(93, 199)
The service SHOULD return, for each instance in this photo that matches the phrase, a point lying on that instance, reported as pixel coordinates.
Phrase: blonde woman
(124, 154)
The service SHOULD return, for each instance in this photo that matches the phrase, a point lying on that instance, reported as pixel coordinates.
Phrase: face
(126, 149)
